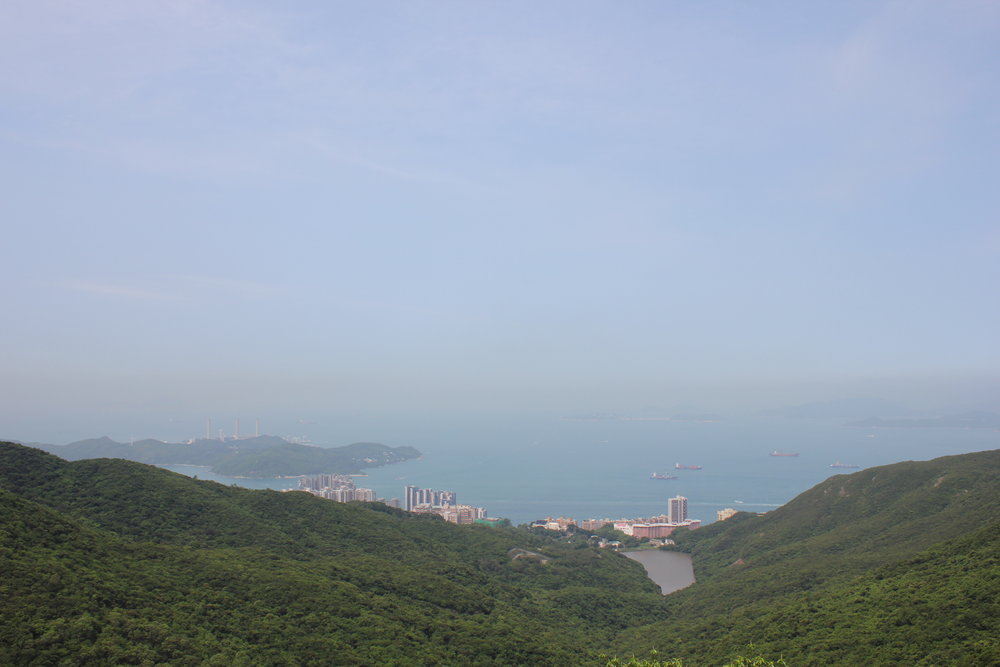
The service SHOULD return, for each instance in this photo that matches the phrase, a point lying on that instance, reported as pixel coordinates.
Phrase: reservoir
(670, 570)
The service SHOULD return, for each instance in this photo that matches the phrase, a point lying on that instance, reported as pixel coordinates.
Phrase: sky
(240, 208)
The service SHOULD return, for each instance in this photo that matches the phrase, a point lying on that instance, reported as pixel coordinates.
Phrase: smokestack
(237, 436)
(256, 430)
(208, 428)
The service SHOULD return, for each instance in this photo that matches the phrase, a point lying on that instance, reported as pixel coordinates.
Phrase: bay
(529, 468)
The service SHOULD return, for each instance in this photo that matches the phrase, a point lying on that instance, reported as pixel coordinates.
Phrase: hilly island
(260, 456)
(115, 562)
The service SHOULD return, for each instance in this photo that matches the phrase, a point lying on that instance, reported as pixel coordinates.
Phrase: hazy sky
(243, 208)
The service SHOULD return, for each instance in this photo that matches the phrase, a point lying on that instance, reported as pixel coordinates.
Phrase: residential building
(677, 510)
(414, 496)
(594, 524)
(724, 514)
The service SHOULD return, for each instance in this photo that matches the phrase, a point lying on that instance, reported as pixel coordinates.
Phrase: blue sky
(237, 208)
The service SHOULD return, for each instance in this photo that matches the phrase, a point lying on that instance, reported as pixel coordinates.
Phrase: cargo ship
(838, 464)
(777, 453)
(660, 475)
(678, 466)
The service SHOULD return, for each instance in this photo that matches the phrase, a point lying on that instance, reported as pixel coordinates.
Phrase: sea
(531, 468)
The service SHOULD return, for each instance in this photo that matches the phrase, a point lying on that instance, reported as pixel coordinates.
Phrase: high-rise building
(409, 497)
(341, 495)
(414, 495)
(329, 481)
(677, 510)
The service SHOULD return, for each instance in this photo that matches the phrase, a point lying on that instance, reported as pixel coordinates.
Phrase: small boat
(838, 464)
(777, 453)
(660, 475)
(678, 466)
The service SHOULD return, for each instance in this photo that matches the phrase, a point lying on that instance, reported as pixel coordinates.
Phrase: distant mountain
(291, 459)
(644, 416)
(980, 419)
(592, 416)
(696, 417)
(263, 456)
(848, 408)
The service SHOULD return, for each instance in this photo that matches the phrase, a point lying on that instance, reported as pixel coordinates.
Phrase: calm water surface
(529, 469)
(670, 570)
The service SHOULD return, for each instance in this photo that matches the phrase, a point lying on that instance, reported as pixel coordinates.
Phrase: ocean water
(528, 469)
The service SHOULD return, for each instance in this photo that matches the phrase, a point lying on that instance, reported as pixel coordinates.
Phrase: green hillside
(113, 562)
(895, 564)
(848, 524)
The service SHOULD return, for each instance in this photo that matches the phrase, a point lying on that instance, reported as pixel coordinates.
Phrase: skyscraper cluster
(329, 481)
(414, 496)
(340, 488)
(442, 503)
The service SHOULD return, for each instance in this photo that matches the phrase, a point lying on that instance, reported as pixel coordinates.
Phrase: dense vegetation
(263, 456)
(113, 562)
(890, 565)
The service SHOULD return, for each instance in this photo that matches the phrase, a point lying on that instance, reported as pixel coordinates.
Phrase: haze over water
(394, 218)
(526, 469)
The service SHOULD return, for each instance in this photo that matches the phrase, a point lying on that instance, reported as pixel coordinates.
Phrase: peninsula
(260, 456)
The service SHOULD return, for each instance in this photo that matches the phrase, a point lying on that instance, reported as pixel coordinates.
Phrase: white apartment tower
(678, 509)
(414, 495)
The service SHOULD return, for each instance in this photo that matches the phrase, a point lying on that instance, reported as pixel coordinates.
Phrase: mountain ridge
(117, 562)
(113, 561)
(261, 456)
(842, 536)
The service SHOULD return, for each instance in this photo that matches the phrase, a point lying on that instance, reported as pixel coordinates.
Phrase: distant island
(261, 456)
(604, 416)
(846, 408)
(980, 419)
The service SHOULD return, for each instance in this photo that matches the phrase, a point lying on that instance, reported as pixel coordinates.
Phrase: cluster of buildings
(340, 488)
(414, 497)
(657, 527)
(443, 503)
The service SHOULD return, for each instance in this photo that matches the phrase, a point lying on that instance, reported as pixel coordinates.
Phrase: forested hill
(113, 562)
(891, 565)
(262, 456)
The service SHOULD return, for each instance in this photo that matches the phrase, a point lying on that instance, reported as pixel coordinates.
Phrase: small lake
(670, 570)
